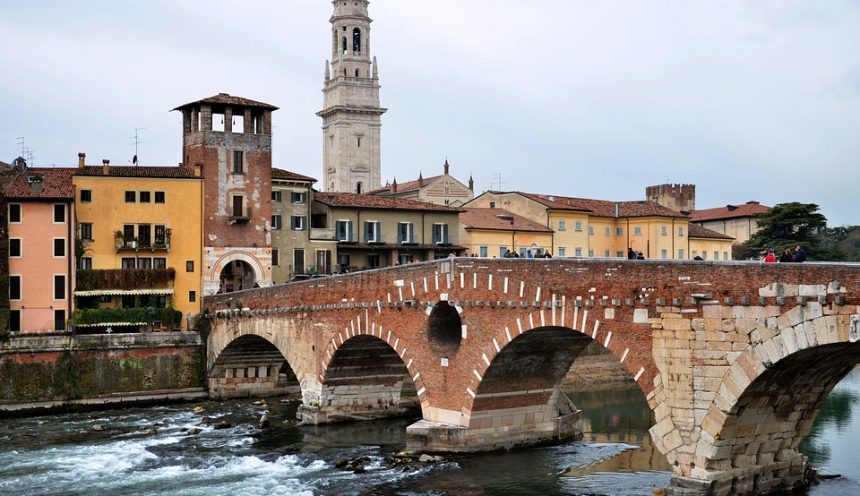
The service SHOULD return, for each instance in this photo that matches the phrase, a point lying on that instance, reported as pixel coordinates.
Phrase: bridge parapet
(469, 337)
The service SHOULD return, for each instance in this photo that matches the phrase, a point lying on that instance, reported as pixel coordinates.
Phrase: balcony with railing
(126, 240)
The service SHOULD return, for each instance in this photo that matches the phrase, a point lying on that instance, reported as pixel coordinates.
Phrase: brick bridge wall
(730, 356)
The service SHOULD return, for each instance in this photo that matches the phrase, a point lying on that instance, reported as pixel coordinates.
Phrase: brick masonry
(719, 350)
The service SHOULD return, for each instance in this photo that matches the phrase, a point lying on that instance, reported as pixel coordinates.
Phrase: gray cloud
(749, 100)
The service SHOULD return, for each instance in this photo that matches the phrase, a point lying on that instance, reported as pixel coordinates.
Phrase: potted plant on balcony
(119, 239)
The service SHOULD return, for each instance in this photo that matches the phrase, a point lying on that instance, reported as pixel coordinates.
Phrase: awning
(123, 292)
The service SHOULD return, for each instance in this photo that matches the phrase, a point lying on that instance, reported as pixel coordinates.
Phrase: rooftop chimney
(82, 159)
(105, 167)
(471, 183)
(420, 180)
(447, 167)
(394, 186)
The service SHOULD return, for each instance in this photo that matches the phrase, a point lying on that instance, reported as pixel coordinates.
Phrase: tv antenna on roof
(496, 179)
(136, 141)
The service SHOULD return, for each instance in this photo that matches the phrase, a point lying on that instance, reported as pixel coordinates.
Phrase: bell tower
(352, 116)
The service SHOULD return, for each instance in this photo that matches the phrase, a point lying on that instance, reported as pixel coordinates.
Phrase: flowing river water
(142, 451)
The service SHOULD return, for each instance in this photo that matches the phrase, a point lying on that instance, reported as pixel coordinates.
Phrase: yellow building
(135, 224)
(600, 228)
(492, 232)
(709, 245)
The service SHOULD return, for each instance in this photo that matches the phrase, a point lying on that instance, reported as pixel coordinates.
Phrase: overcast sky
(754, 100)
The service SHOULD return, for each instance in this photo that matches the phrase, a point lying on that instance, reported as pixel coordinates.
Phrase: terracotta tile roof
(352, 200)
(748, 209)
(286, 175)
(56, 184)
(604, 208)
(233, 101)
(697, 231)
(405, 187)
(496, 219)
(5, 167)
(138, 171)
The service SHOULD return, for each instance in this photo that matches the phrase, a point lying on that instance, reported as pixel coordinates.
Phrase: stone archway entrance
(237, 275)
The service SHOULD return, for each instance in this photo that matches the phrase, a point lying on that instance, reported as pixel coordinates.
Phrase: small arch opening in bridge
(252, 367)
(444, 326)
(237, 275)
(365, 379)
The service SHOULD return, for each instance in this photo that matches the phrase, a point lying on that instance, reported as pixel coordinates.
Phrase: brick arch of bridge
(768, 400)
(398, 314)
(282, 339)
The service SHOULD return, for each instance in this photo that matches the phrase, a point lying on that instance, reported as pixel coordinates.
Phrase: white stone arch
(213, 282)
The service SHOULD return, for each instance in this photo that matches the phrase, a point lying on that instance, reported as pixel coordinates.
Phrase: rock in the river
(426, 459)
(223, 425)
(341, 464)
(199, 409)
(152, 431)
(98, 428)
(264, 422)
(193, 431)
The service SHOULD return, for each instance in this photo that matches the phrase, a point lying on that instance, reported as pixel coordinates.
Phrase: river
(141, 451)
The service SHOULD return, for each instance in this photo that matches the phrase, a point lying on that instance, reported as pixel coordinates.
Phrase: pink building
(41, 221)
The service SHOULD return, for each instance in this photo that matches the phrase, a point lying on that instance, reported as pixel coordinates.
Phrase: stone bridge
(735, 359)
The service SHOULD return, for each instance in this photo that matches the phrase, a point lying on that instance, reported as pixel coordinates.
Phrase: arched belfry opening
(358, 188)
(356, 41)
(444, 326)
(344, 47)
(251, 367)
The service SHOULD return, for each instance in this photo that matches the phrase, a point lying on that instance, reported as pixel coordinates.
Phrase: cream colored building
(736, 221)
(492, 232)
(443, 189)
(709, 245)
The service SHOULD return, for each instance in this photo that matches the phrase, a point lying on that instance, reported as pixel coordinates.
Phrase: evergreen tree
(787, 225)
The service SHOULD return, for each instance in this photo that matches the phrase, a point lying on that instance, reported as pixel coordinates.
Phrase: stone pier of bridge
(735, 359)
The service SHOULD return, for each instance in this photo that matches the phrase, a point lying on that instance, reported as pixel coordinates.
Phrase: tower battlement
(678, 197)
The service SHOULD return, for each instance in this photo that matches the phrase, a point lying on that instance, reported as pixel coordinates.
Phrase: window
(15, 213)
(159, 263)
(343, 230)
(483, 252)
(127, 234)
(492, 204)
(578, 252)
(681, 254)
(128, 263)
(86, 231)
(145, 196)
(189, 266)
(591, 253)
(161, 236)
(440, 233)
(619, 231)
(14, 287)
(704, 255)
(619, 254)
(298, 222)
(192, 296)
(144, 232)
(664, 231)
(276, 196)
(130, 197)
(607, 231)
(59, 320)
(276, 222)
(664, 254)
(716, 256)
(561, 226)
(637, 231)
(144, 263)
(59, 213)
(297, 197)
(238, 206)
(695, 253)
(276, 258)
(680, 231)
(372, 232)
(725, 255)
(606, 253)
(86, 263)
(562, 251)
(524, 252)
(60, 287)
(159, 197)
(578, 226)
(238, 162)
(358, 140)
(358, 188)
(15, 248)
(591, 230)
(502, 251)
(15, 320)
(373, 262)
(404, 232)
(59, 247)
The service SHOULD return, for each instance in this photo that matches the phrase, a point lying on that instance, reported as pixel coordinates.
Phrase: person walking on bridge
(770, 257)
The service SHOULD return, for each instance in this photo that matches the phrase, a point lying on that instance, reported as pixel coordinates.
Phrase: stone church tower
(352, 117)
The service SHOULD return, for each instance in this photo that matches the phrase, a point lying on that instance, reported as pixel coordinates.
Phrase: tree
(787, 225)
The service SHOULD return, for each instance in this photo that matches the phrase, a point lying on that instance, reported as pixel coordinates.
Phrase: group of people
(539, 253)
(634, 255)
(786, 256)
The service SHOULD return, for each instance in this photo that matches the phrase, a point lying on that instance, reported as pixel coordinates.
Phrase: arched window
(358, 188)
(356, 73)
(356, 40)
(344, 44)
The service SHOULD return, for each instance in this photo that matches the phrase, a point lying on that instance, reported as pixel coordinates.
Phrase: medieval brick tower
(352, 116)
(228, 140)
